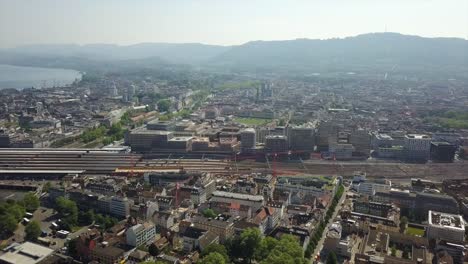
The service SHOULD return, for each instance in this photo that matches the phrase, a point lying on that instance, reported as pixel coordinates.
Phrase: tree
(68, 211)
(31, 202)
(287, 250)
(234, 248)
(86, 218)
(11, 212)
(105, 222)
(218, 248)
(164, 105)
(393, 251)
(46, 187)
(8, 223)
(153, 250)
(403, 224)
(15, 209)
(209, 213)
(266, 246)
(213, 258)
(32, 231)
(249, 242)
(331, 258)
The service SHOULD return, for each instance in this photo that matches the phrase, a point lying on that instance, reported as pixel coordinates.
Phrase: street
(319, 247)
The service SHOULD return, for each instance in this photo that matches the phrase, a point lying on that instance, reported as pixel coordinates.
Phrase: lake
(19, 77)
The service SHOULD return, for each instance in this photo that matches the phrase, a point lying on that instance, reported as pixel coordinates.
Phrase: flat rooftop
(383, 136)
(151, 132)
(275, 136)
(446, 220)
(441, 143)
(238, 196)
(181, 139)
(418, 136)
(26, 253)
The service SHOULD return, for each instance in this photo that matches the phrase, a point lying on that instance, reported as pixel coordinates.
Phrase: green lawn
(414, 231)
(76, 229)
(252, 121)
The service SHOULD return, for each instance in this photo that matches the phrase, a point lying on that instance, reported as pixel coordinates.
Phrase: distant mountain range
(175, 53)
(376, 50)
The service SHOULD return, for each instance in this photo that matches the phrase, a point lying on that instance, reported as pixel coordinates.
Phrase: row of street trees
(321, 227)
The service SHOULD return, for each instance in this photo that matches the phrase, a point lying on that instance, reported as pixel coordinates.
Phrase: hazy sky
(222, 21)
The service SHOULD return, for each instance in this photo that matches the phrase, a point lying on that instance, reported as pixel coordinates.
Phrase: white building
(445, 226)
(26, 253)
(371, 188)
(141, 234)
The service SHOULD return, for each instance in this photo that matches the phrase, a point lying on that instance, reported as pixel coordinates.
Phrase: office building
(248, 140)
(276, 144)
(443, 226)
(120, 206)
(113, 91)
(146, 140)
(417, 147)
(341, 151)
(326, 132)
(418, 203)
(361, 141)
(180, 144)
(372, 208)
(160, 125)
(261, 134)
(131, 91)
(370, 188)
(452, 138)
(382, 140)
(442, 151)
(302, 139)
(141, 234)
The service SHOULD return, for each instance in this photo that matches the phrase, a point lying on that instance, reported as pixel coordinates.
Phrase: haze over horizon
(26, 22)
